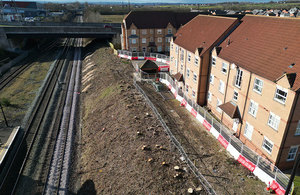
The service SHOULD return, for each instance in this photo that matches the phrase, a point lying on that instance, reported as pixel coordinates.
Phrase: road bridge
(52, 29)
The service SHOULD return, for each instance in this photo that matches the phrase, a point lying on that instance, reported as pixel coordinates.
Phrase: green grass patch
(22, 91)
(109, 91)
(112, 18)
(297, 185)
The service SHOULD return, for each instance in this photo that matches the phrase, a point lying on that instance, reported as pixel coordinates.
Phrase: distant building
(15, 10)
(254, 86)
(151, 31)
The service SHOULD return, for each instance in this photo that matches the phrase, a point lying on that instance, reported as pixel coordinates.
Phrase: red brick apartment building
(151, 31)
(191, 50)
(254, 86)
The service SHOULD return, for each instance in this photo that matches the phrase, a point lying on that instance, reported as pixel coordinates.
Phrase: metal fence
(252, 156)
(177, 144)
(144, 54)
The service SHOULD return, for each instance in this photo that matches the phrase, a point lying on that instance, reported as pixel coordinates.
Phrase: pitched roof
(21, 4)
(231, 109)
(266, 46)
(178, 76)
(202, 32)
(157, 19)
(148, 65)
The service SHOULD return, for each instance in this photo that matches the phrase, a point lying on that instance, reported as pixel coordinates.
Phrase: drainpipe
(287, 128)
(246, 99)
(226, 88)
(199, 77)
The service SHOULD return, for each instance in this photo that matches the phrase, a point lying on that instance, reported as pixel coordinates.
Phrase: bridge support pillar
(5, 43)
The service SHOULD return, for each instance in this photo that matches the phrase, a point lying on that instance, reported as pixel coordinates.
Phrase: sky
(148, 1)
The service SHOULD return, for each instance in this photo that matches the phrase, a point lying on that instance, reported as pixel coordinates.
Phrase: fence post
(258, 161)
(242, 148)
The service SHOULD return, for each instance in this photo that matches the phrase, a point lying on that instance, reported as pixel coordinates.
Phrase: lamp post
(3, 115)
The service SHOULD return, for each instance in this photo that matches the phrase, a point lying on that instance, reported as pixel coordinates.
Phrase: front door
(235, 125)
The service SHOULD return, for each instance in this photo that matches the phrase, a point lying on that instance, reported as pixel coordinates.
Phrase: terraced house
(254, 86)
(191, 51)
(151, 31)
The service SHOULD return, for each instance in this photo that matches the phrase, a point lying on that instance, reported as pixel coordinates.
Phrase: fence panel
(261, 162)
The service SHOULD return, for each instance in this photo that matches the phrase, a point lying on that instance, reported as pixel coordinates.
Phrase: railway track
(57, 182)
(26, 174)
(15, 72)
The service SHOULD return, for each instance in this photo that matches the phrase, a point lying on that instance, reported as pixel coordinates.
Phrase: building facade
(191, 50)
(151, 31)
(254, 88)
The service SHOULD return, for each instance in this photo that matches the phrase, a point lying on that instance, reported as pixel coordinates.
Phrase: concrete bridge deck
(40, 29)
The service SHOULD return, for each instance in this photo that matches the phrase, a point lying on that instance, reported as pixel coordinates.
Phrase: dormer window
(133, 32)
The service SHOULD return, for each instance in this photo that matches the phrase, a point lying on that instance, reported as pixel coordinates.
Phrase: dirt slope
(116, 124)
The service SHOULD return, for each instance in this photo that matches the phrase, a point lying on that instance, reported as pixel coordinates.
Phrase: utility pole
(295, 167)
(3, 115)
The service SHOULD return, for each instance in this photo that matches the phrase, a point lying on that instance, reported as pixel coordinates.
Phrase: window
(172, 46)
(238, 79)
(213, 61)
(187, 73)
(151, 31)
(172, 58)
(144, 49)
(169, 30)
(176, 49)
(159, 39)
(159, 49)
(168, 39)
(219, 102)
(224, 67)
(196, 61)
(267, 145)
(181, 55)
(273, 121)
(133, 31)
(248, 131)
(159, 31)
(151, 39)
(280, 94)
(253, 107)
(176, 63)
(181, 67)
(193, 93)
(258, 84)
(186, 88)
(298, 129)
(167, 48)
(211, 79)
(235, 95)
(221, 86)
(144, 40)
(144, 31)
(189, 57)
(133, 41)
(292, 153)
(209, 96)
(195, 77)
(133, 49)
